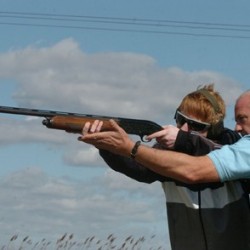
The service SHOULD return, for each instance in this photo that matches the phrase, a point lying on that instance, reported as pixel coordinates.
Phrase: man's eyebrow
(240, 116)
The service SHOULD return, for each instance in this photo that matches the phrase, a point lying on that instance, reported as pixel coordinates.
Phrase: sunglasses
(193, 124)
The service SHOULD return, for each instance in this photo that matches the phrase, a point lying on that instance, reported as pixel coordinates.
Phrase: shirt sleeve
(193, 143)
(232, 162)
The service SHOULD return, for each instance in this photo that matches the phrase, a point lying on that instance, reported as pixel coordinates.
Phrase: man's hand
(116, 140)
(166, 137)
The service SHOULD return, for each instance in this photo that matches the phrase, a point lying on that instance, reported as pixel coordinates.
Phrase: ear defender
(216, 129)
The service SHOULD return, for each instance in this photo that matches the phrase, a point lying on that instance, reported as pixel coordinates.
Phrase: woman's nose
(184, 127)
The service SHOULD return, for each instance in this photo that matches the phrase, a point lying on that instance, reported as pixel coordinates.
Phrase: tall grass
(68, 242)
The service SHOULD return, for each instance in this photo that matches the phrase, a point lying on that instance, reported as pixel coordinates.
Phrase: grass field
(68, 241)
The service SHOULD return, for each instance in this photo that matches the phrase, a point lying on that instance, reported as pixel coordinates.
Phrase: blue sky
(51, 183)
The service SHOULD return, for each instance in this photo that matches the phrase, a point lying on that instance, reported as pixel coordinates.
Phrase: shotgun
(74, 122)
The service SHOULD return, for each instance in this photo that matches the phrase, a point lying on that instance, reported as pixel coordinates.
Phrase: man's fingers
(115, 125)
(99, 126)
(94, 126)
(86, 128)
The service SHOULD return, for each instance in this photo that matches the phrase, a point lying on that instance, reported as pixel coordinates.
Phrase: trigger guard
(143, 138)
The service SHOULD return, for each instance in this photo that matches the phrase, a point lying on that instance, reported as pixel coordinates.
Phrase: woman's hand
(166, 137)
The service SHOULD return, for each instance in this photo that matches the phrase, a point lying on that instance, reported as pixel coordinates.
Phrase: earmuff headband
(211, 99)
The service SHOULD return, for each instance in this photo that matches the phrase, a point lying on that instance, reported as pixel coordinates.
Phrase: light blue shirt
(233, 161)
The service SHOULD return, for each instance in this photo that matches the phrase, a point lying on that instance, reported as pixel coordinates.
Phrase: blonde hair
(205, 104)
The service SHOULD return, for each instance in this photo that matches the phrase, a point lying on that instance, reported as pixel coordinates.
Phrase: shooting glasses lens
(193, 124)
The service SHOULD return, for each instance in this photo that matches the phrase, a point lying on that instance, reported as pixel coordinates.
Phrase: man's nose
(238, 127)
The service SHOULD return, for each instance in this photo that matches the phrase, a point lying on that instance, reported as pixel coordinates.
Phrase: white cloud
(122, 84)
(86, 155)
(27, 131)
(35, 204)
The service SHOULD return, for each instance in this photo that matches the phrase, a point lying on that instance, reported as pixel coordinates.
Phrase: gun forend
(72, 124)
